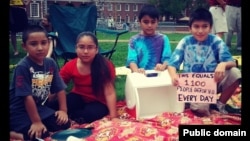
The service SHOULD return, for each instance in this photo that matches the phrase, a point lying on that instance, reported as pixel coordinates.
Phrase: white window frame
(118, 7)
(34, 10)
(119, 19)
(127, 7)
(102, 8)
(110, 7)
(135, 7)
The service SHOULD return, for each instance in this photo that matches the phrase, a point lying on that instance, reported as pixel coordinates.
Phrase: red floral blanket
(163, 127)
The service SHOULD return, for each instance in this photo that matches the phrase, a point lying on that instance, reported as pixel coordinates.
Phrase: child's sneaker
(200, 109)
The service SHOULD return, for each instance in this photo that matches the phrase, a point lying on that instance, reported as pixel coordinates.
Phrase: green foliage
(176, 8)
(120, 87)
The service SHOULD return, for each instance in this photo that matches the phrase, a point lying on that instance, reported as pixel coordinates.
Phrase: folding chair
(68, 22)
(54, 37)
(108, 32)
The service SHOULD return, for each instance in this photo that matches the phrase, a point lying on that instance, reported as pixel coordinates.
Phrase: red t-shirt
(82, 83)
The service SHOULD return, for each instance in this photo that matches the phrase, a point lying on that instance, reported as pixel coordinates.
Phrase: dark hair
(201, 14)
(149, 10)
(87, 33)
(31, 29)
(100, 70)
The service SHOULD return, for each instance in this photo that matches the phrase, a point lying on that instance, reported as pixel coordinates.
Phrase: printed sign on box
(197, 88)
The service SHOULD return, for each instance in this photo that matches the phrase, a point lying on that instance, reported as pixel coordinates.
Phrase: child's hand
(36, 130)
(175, 81)
(62, 117)
(219, 72)
(160, 67)
(14, 136)
(140, 70)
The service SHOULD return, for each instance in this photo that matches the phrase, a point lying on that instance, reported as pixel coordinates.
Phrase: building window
(34, 10)
(127, 19)
(119, 19)
(101, 8)
(110, 7)
(126, 7)
(135, 7)
(118, 7)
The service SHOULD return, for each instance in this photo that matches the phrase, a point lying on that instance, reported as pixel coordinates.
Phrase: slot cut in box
(147, 97)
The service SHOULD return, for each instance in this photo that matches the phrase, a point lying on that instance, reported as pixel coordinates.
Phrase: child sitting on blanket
(34, 78)
(205, 52)
(148, 50)
(93, 94)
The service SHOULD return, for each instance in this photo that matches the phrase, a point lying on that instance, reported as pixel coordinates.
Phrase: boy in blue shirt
(34, 79)
(148, 50)
(203, 52)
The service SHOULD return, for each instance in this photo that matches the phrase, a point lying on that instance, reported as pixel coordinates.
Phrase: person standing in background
(217, 9)
(18, 20)
(46, 24)
(233, 16)
(110, 22)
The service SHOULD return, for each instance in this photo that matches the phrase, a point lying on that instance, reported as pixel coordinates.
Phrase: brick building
(120, 10)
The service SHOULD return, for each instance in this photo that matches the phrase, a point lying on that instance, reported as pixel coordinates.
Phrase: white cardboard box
(147, 97)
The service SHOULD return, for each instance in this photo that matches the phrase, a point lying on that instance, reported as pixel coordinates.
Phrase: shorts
(219, 20)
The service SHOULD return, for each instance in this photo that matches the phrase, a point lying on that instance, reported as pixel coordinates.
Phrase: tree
(177, 8)
(194, 4)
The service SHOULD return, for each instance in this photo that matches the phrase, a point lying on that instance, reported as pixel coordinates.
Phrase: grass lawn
(118, 58)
